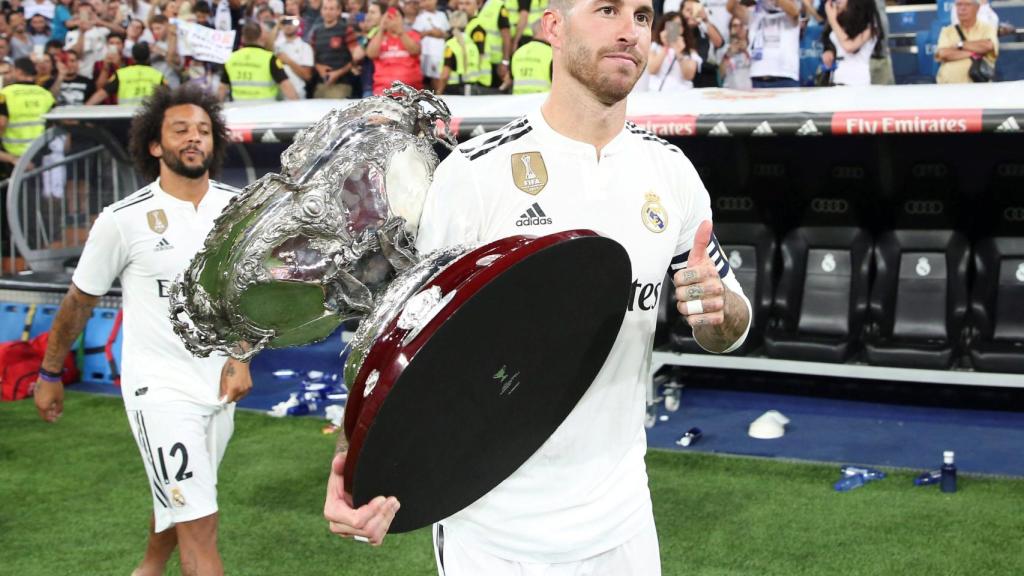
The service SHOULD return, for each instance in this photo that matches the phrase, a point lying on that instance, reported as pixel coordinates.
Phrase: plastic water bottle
(869, 474)
(948, 474)
(847, 483)
(929, 477)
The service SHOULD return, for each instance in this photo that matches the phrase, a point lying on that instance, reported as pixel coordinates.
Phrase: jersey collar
(160, 192)
(549, 137)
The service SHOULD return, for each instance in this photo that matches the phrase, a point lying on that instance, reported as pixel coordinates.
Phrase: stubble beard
(608, 88)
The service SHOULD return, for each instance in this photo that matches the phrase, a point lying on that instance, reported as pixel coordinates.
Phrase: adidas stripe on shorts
(181, 453)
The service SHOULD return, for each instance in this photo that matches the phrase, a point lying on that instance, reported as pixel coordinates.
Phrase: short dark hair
(201, 6)
(26, 65)
(148, 122)
(251, 32)
(140, 53)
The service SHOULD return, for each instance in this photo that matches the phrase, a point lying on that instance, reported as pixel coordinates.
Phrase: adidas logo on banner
(809, 128)
(533, 216)
(269, 137)
(764, 129)
(1009, 125)
(162, 245)
(719, 130)
(479, 130)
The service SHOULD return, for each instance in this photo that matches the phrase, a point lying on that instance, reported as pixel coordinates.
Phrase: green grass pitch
(74, 500)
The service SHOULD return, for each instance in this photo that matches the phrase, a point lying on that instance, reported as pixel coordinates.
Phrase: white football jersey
(148, 239)
(585, 491)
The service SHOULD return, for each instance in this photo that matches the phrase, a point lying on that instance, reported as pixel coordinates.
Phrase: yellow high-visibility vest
(249, 72)
(467, 71)
(26, 104)
(531, 68)
(134, 83)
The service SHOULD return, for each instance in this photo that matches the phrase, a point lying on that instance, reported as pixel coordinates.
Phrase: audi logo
(1010, 170)
(734, 203)
(848, 172)
(776, 170)
(930, 171)
(1014, 214)
(923, 207)
(830, 206)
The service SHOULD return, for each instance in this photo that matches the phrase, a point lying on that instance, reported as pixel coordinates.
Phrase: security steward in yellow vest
(252, 73)
(132, 84)
(461, 71)
(489, 30)
(532, 65)
(523, 15)
(22, 105)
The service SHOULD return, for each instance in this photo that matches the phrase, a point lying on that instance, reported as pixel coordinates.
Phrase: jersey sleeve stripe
(138, 200)
(508, 138)
(715, 252)
(498, 134)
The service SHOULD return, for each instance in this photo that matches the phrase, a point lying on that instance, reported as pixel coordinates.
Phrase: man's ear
(552, 22)
(155, 150)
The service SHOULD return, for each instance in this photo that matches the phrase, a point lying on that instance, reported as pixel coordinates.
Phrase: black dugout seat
(821, 299)
(750, 250)
(918, 298)
(997, 306)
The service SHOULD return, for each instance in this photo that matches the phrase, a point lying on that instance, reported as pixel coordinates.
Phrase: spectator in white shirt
(294, 53)
(854, 28)
(432, 24)
(673, 60)
(88, 40)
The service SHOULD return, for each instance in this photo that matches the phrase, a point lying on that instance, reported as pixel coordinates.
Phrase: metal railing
(55, 192)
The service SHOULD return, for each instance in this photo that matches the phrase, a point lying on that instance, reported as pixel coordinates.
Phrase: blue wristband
(47, 376)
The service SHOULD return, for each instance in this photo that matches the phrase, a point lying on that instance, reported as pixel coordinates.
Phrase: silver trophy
(298, 253)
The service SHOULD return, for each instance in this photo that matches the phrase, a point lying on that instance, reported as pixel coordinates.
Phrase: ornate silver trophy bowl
(299, 252)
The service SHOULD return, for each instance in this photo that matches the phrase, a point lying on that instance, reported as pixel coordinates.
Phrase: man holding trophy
(581, 501)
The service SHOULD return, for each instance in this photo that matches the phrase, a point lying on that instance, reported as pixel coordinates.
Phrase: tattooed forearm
(719, 338)
(67, 325)
(230, 369)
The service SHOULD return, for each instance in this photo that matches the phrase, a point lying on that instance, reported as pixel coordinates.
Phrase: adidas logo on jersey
(162, 245)
(533, 216)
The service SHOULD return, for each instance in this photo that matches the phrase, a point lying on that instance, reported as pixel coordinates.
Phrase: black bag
(981, 70)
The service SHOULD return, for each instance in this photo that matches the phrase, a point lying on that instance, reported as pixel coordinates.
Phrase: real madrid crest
(157, 221)
(529, 172)
(653, 214)
(177, 498)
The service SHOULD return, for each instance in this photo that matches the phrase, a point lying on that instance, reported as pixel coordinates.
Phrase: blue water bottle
(948, 481)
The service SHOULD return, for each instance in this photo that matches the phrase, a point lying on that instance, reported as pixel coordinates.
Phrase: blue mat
(845, 431)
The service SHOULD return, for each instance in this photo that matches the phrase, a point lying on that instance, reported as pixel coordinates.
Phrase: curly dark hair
(149, 120)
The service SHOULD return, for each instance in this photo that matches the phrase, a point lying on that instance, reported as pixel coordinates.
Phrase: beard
(610, 88)
(179, 167)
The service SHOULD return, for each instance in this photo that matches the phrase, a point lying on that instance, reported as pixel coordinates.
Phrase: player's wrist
(50, 376)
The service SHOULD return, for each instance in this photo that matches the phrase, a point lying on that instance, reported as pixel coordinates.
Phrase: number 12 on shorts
(183, 472)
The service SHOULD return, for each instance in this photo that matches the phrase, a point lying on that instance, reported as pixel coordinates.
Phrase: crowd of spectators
(355, 48)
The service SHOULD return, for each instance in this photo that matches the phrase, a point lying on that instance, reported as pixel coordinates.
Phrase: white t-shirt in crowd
(148, 239)
(584, 491)
(853, 69)
(302, 53)
(46, 8)
(94, 47)
(774, 39)
(668, 78)
(431, 49)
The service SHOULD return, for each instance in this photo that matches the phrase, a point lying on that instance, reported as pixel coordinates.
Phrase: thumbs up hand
(700, 294)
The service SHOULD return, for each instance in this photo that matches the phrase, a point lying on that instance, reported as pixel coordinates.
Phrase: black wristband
(51, 375)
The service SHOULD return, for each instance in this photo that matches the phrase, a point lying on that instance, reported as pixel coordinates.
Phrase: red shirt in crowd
(395, 63)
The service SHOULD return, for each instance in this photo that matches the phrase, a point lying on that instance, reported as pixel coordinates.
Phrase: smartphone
(673, 30)
(290, 21)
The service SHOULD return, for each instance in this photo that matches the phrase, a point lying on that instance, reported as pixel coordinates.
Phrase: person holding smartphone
(673, 61)
(854, 28)
(295, 53)
(395, 52)
(707, 39)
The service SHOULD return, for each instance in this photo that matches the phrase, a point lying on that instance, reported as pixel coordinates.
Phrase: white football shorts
(181, 453)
